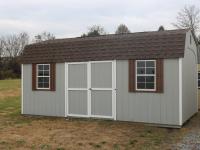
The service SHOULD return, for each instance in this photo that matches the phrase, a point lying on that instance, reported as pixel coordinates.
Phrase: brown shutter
(131, 75)
(159, 75)
(33, 77)
(53, 76)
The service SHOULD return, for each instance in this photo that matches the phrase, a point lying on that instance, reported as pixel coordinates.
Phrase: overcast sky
(70, 18)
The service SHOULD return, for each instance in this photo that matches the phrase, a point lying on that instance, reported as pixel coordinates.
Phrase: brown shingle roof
(142, 45)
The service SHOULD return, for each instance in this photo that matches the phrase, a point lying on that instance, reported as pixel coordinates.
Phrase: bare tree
(13, 45)
(44, 36)
(189, 17)
(122, 29)
(1, 48)
(94, 30)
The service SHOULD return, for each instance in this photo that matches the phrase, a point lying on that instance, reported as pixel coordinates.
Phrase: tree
(1, 48)
(122, 29)
(188, 17)
(44, 36)
(161, 28)
(13, 45)
(94, 30)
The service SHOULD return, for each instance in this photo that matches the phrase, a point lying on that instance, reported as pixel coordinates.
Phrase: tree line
(12, 46)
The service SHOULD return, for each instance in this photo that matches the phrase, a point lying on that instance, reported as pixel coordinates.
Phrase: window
(43, 76)
(199, 80)
(145, 75)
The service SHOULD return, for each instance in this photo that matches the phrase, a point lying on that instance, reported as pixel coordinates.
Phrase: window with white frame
(146, 75)
(43, 76)
(199, 79)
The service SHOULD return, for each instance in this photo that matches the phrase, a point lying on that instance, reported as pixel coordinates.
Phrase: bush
(10, 68)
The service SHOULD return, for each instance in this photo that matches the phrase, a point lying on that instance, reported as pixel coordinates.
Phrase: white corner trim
(180, 91)
(22, 88)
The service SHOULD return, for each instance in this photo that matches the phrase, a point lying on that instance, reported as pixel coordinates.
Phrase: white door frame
(113, 89)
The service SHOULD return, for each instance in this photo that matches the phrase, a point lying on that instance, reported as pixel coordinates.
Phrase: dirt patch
(83, 134)
(9, 93)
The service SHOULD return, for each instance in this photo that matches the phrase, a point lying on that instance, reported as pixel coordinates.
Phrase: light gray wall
(77, 75)
(160, 108)
(47, 103)
(78, 102)
(189, 79)
(101, 75)
(101, 102)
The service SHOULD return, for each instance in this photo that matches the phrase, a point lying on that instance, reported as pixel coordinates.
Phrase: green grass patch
(10, 106)
(6, 85)
(45, 147)
(20, 142)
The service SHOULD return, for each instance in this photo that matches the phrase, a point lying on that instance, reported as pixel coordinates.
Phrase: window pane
(46, 79)
(46, 85)
(140, 63)
(141, 79)
(150, 70)
(40, 67)
(46, 73)
(198, 83)
(149, 78)
(40, 73)
(140, 70)
(198, 75)
(149, 85)
(141, 85)
(46, 67)
(40, 85)
(150, 64)
(40, 79)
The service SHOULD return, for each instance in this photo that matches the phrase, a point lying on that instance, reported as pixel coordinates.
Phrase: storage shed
(148, 77)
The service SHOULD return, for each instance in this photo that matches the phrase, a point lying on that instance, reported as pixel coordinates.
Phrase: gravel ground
(190, 142)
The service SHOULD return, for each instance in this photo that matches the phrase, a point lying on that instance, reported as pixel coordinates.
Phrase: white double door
(91, 89)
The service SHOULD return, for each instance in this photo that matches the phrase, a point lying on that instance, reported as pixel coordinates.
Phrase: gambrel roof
(140, 45)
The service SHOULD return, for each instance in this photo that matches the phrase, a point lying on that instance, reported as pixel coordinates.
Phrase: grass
(36, 132)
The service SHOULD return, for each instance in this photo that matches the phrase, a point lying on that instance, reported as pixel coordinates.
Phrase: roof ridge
(61, 40)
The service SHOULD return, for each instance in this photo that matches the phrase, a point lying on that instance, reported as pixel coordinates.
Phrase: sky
(71, 18)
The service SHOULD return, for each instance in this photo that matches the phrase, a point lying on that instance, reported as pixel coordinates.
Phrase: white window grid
(145, 75)
(43, 75)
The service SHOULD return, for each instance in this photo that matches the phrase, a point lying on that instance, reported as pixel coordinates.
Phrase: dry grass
(32, 132)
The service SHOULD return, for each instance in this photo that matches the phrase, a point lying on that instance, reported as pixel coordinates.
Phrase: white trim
(114, 103)
(107, 61)
(89, 93)
(100, 116)
(180, 91)
(77, 89)
(22, 88)
(78, 115)
(37, 76)
(154, 75)
(101, 89)
(66, 92)
(89, 89)
(76, 63)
